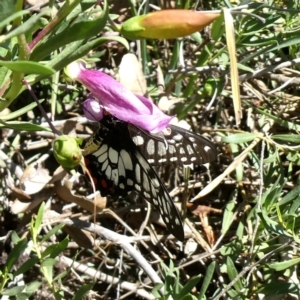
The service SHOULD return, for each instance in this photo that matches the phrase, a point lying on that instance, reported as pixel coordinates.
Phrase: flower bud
(92, 109)
(167, 24)
(67, 152)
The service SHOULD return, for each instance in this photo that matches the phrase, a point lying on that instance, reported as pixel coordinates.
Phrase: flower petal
(120, 101)
(92, 109)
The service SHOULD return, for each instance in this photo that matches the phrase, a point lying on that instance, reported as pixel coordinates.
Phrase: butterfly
(120, 158)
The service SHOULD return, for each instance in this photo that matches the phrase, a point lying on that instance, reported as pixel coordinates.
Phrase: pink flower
(118, 100)
(92, 109)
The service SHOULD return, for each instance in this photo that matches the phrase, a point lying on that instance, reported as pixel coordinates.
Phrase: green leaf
(73, 52)
(49, 262)
(294, 157)
(10, 15)
(18, 125)
(55, 249)
(271, 225)
(21, 111)
(283, 265)
(293, 138)
(7, 8)
(83, 290)
(280, 121)
(155, 290)
(188, 286)
(295, 206)
(239, 138)
(77, 50)
(27, 67)
(279, 44)
(47, 267)
(81, 29)
(245, 68)
(229, 212)
(13, 291)
(291, 196)
(39, 219)
(239, 170)
(207, 279)
(4, 76)
(26, 266)
(279, 288)
(33, 286)
(218, 28)
(232, 273)
(272, 157)
(23, 296)
(15, 238)
(187, 297)
(53, 231)
(233, 294)
(25, 27)
(15, 254)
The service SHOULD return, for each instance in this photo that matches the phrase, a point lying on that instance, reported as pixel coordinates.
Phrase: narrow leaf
(27, 67)
(232, 273)
(207, 279)
(230, 39)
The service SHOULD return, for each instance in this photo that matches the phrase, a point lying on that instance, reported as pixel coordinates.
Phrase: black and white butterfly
(120, 156)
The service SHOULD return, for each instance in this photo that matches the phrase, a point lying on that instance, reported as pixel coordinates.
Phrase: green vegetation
(242, 234)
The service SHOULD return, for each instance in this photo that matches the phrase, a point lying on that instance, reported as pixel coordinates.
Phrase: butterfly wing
(118, 168)
(174, 145)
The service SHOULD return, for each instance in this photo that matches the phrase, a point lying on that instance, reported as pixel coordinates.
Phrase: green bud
(67, 152)
(167, 24)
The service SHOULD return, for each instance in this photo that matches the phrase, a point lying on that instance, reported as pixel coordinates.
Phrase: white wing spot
(162, 160)
(154, 193)
(172, 149)
(137, 187)
(183, 159)
(138, 140)
(155, 183)
(113, 155)
(161, 149)
(181, 150)
(129, 182)
(104, 165)
(122, 171)
(108, 172)
(151, 161)
(138, 173)
(150, 147)
(146, 184)
(207, 148)
(126, 160)
(155, 202)
(189, 149)
(147, 195)
(178, 137)
(115, 176)
(121, 186)
(101, 150)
